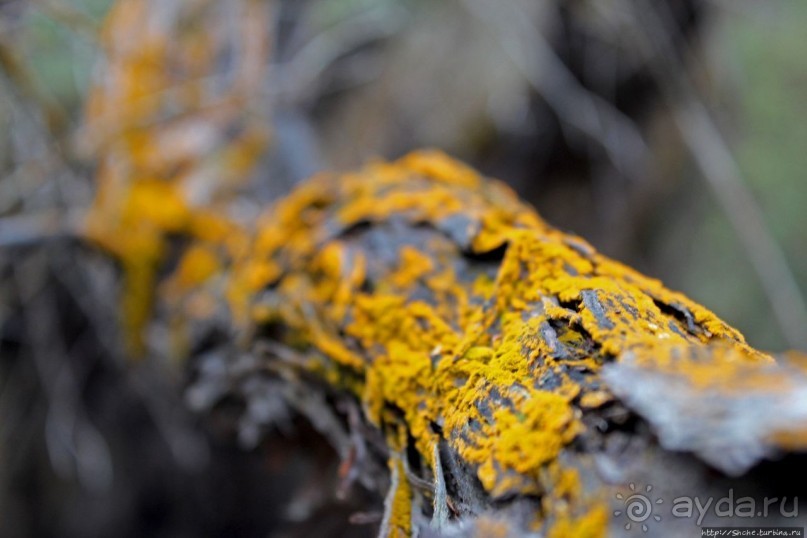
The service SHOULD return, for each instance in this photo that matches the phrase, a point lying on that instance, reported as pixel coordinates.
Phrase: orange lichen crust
(452, 310)
(175, 132)
(474, 334)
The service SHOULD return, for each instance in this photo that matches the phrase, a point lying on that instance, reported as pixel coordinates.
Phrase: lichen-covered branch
(175, 131)
(491, 350)
(474, 371)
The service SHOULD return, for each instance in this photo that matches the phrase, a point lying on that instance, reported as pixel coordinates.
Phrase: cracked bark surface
(508, 377)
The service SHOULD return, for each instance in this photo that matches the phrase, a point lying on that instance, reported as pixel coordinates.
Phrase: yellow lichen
(456, 315)
(480, 354)
(590, 525)
(398, 523)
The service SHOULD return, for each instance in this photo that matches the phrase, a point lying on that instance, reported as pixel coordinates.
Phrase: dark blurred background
(669, 133)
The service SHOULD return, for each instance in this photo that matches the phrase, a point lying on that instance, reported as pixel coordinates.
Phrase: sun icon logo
(638, 507)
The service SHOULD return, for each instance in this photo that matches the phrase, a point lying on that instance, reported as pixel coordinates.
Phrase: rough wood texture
(489, 352)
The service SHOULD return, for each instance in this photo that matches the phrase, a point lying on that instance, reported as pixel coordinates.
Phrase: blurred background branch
(721, 171)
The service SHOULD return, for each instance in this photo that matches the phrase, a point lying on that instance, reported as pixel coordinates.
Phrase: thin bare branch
(27, 229)
(529, 51)
(719, 168)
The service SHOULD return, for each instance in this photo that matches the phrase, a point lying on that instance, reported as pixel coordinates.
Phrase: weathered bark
(493, 358)
(483, 372)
